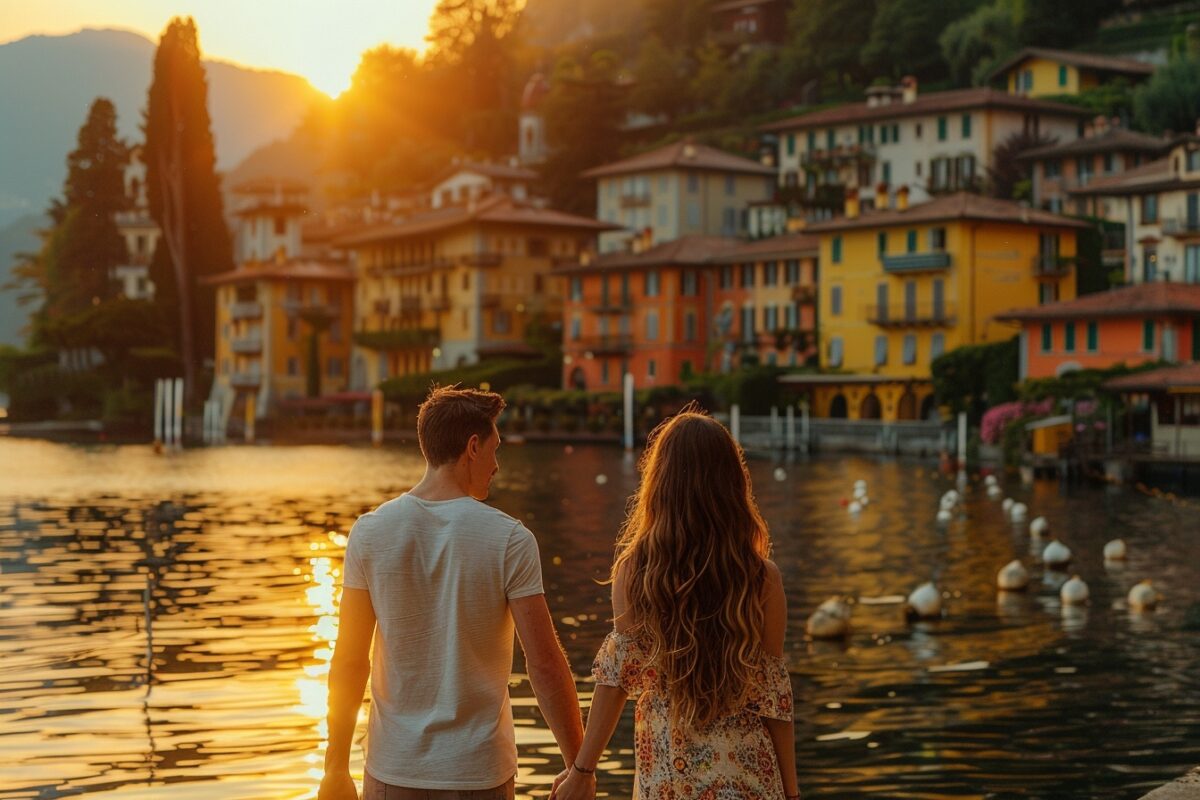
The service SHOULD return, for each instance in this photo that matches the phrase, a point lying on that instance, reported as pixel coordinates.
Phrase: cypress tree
(184, 193)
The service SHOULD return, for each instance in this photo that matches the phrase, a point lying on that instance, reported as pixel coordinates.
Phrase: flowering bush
(997, 418)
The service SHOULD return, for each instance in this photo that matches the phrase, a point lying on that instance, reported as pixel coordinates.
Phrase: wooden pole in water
(177, 414)
(735, 422)
(962, 441)
(377, 417)
(248, 433)
(789, 427)
(158, 409)
(628, 409)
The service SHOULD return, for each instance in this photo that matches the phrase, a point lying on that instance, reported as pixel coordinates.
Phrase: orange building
(691, 305)
(1131, 325)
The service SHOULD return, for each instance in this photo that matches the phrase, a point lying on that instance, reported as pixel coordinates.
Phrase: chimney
(881, 196)
(908, 88)
(852, 203)
(902, 198)
(1100, 124)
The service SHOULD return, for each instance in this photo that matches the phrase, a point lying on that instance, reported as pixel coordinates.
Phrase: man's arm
(549, 673)
(347, 680)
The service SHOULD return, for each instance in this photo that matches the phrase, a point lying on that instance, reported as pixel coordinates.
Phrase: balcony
(1188, 226)
(1050, 265)
(934, 261)
(303, 309)
(804, 295)
(246, 309)
(404, 339)
(635, 201)
(247, 345)
(621, 306)
(837, 156)
(245, 380)
(929, 315)
(605, 345)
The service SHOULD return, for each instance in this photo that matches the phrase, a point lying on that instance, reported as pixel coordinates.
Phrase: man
(440, 579)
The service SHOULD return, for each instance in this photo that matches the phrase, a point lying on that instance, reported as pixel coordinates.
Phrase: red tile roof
(302, 270)
(932, 103)
(684, 251)
(497, 171)
(1101, 63)
(495, 209)
(788, 245)
(1128, 301)
(1153, 177)
(1182, 377)
(681, 155)
(961, 205)
(1114, 140)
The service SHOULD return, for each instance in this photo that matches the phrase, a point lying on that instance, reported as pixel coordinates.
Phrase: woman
(699, 616)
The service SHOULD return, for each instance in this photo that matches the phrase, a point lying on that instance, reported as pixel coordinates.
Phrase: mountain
(47, 84)
(20, 236)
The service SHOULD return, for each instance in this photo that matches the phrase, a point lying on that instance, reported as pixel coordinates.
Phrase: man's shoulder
(468, 510)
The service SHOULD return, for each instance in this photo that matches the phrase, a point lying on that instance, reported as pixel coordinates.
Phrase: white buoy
(1018, 512)
(1074, 592)
(925, 602)
(831, 620)
(864, 501)
(1115, 550)
(601, 479)
(990, 481)
(780, 474)
(994, 492)
(952, 497)
(947, 503)
(860, 484)
(1007, 505)
(944, 516)
(1143, 596)
(855, 507)
(1012, 577)
(1056, 555)
(859, 491)
(1039, 526)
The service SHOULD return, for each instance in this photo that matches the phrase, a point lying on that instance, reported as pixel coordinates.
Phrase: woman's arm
(782, 733)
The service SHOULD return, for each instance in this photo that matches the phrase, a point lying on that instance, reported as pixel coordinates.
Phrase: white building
(471, 181)
(139, 231)
(268, 213)
(932, 143)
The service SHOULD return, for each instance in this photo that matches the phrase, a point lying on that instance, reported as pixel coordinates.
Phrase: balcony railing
(247, 345)
(1186, 226)
(621, 306)
(246, 309)
(635, 200)
(911, 316)
(606, 345)
(916, 262)
(1050, 265)
(841, 154)
(246, 380)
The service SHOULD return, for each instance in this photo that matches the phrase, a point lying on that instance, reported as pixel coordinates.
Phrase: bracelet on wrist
(583, 771)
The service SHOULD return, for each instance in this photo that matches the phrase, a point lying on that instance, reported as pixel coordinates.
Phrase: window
(835, 301)
(689, 326)
(881, 242)
(577, 289)
(937, 345)
(1028, 76)
(835, 351)
(625, 300)
(884, 133)
(895, 133)
(1191, 266)
(881, 300)
(501, 321)
(881, 350)
(1193, 160)
(885, 172)
(652, 326)
(662, 216)
(1109, 163)
(651, 368)
(1047, 337)
(1083, 169)
(693, 182)
(729, 221)
(1148, 336)
(939, 299)
(830, 139)
(1149, 209)
(910, 348)
(793, 271)
(292, 328)
(335, 367)
(335, 331)
(748, 323)
(730, 185)
(812, 141)
(604, 371)
(941, 123)
(726, 281)
(280, 226)
(1093, 337)
(651, 284)
(937, 239)
(917, 132)
(1149, 264)
(771, 318)
(1062, 75)
(1069, 337)
(693, 214)
(966, 126)
(910, 243)
(747, 275)
(576, 328)
(791, 316)
(836, 250)
(791, 144)
(771, 273)
(688, 283)
(293, 368)
(466, 281)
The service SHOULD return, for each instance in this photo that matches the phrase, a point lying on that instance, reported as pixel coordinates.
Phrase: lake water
(241, 548)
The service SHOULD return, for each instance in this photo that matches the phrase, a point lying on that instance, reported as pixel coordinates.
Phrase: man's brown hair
(448, 419)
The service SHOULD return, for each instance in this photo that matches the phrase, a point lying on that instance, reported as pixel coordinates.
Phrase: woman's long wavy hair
(693, 550)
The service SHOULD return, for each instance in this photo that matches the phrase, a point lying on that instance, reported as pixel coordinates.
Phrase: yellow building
(903, 285)
(1041, 72)
(451, 286)
(270, 306)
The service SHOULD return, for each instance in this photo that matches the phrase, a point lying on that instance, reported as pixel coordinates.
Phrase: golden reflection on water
(243, 548)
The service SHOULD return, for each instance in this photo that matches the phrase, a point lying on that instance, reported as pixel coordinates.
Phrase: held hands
(573, 785)
(337, 785)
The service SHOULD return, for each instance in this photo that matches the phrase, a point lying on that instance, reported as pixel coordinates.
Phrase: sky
(320, 40)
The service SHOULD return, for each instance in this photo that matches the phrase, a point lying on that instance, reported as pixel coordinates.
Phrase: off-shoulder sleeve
(621, 663)
(770, 692)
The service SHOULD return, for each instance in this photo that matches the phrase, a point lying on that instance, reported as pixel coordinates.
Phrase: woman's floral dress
(732, 759)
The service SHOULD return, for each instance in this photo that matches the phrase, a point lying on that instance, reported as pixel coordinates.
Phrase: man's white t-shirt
(440, 575)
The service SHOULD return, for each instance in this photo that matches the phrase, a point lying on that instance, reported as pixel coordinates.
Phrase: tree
(1170, 100)
(661, 85)
(1008, 173)
(974, 44)
(712, 77)
(183, 191)
(1063, 23)
(826, 37)
(904, 37)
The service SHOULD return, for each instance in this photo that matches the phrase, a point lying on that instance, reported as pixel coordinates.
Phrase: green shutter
(941, 129)
(836, 254)
(966, 126)
(791, 144)
(1062, 76)
(1069, 337)
(1047, 337)
(1093, 337)
(912, 241)
(1148, 335)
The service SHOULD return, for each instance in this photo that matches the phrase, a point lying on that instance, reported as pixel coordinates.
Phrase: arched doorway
(929, 408)
(837, 407)
(578, 380)
(907, 407)
(870, 408)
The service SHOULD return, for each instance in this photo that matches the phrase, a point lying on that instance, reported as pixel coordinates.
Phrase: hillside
(19, 236)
